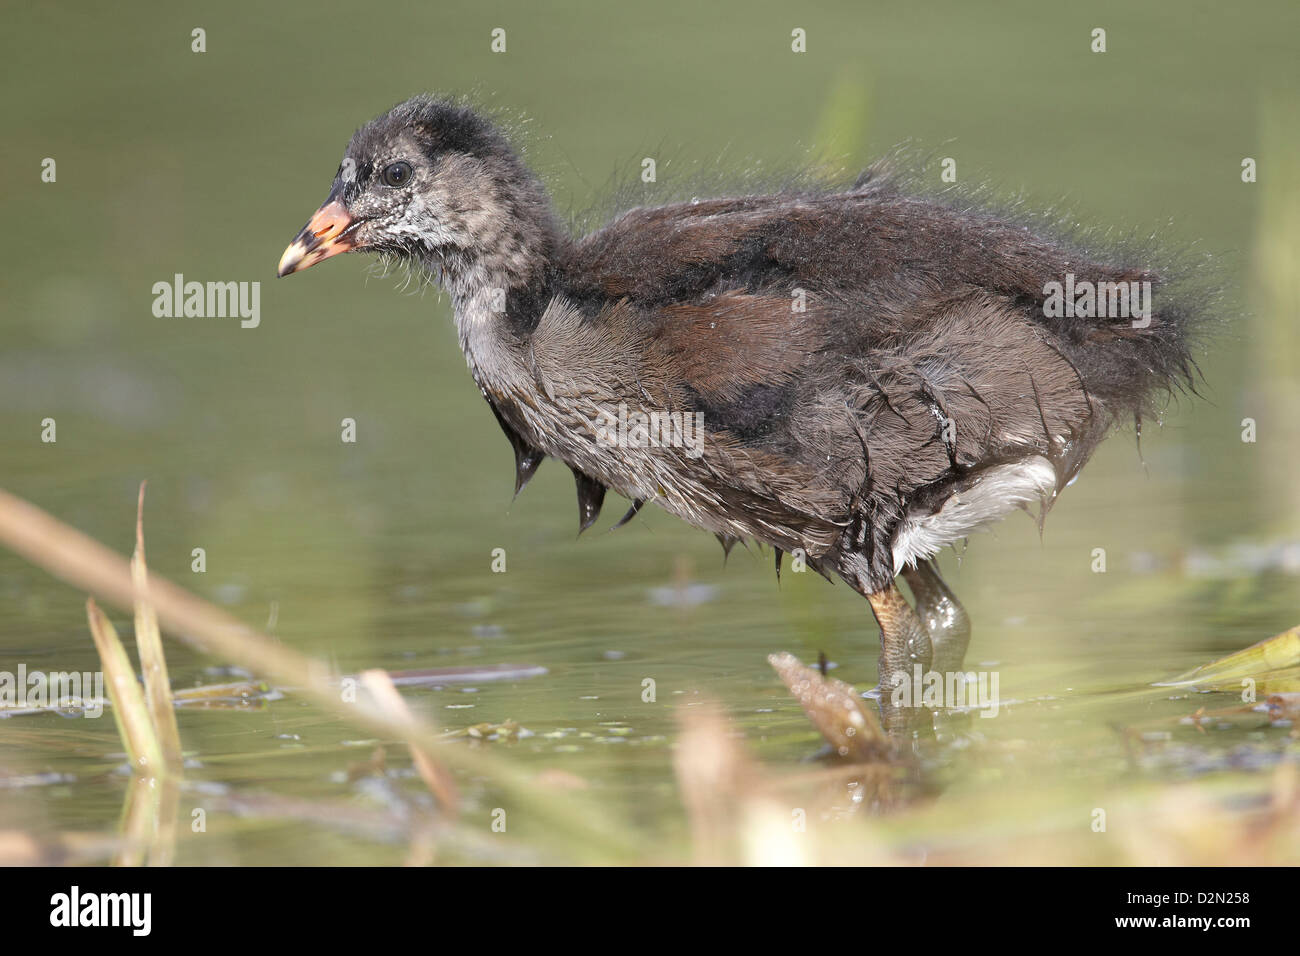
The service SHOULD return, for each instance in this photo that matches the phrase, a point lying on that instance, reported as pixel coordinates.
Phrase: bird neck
(498, 299)
(504, 249)
(496, 344)
(497, 302)
(501, 270)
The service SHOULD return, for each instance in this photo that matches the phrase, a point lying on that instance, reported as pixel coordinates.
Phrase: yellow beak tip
(290, 261)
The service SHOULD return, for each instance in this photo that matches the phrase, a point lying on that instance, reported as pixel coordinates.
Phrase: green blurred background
(377, 554)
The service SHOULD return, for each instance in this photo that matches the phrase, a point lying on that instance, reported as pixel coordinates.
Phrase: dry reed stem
(435, 776)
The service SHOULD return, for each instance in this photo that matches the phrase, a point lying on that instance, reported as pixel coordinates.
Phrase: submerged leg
(941, 614)
(904, 644)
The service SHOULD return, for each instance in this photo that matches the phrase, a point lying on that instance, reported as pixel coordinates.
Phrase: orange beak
(326, 234)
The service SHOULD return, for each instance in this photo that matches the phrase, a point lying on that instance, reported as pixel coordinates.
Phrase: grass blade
(129, 710)
(1274, 654)
(148, 641)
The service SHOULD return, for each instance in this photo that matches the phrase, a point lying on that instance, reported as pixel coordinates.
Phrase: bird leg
(904, 644)
(942, 616)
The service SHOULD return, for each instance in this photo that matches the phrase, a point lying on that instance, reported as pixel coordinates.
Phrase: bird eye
(397, 174)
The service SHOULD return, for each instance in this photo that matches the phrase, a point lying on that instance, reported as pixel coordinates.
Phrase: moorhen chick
(876, 375)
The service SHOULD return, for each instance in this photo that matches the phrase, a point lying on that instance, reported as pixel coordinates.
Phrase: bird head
(429, 180)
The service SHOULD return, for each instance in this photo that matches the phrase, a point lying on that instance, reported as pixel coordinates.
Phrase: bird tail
(1127, 333)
